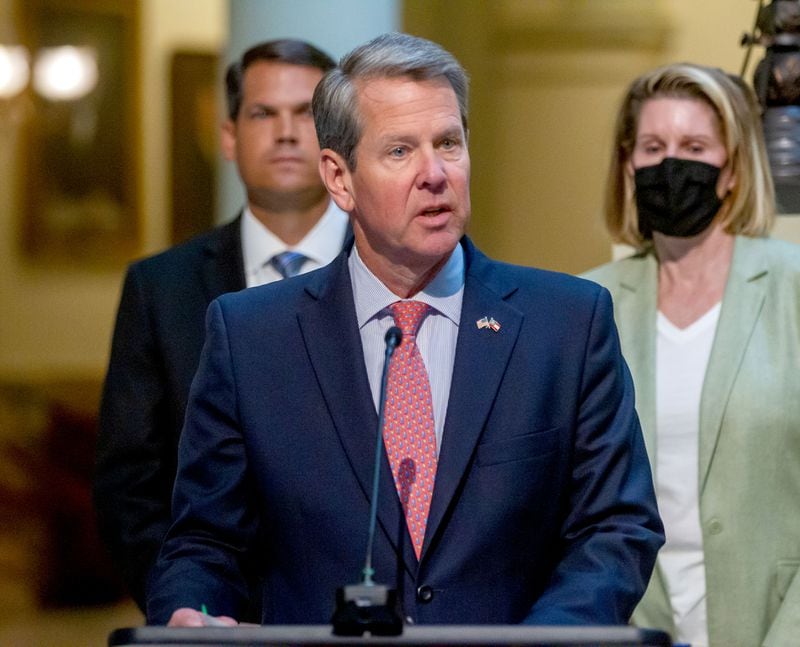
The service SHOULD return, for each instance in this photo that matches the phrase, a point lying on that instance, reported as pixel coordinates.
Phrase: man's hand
(186, 617)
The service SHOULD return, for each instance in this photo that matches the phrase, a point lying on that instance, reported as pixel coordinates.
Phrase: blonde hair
(750, 205)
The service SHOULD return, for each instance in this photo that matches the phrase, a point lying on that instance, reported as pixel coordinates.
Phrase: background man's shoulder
(190, 251)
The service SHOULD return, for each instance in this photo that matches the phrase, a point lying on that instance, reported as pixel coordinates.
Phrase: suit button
(425, 593)
(715, 526)
(409, 620)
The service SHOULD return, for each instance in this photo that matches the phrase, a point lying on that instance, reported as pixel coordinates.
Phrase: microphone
(368, 606)
(392, 339)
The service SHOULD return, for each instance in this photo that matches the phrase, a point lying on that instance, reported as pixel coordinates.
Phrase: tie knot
(408, 316)
(287, 263)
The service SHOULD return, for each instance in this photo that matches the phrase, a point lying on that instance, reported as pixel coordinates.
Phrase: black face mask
(677, 197)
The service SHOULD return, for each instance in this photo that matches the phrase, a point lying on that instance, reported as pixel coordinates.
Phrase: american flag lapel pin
(488, 322)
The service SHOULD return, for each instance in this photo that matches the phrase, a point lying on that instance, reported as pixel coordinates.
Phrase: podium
(429, 635)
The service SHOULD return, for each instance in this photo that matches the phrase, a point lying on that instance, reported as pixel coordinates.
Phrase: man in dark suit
(515, 485)
(159, 332)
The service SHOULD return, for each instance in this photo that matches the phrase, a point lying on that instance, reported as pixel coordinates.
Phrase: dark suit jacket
(154, 353)
(543, 509)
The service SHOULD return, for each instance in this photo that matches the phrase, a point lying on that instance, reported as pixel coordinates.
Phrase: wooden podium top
(301, 635)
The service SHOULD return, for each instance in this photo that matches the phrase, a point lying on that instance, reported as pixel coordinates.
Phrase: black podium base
(366, 608)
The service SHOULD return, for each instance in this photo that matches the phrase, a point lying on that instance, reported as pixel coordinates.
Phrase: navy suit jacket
(543, 508)
(155, 350)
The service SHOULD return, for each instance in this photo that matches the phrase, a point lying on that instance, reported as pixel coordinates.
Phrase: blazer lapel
(635, 312)
(635, 307)
(223, 266)
(480, 362)
(741, 307)
(333, 342)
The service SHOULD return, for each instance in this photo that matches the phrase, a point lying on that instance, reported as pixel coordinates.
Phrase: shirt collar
(444, 293)
(321, 244)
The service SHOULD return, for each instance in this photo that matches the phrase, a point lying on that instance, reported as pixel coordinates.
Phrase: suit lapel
(481, 359)
(741, 307)
(333, 342)
(223, 266)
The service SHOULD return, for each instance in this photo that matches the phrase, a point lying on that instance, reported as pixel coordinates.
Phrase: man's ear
(227, 140)
(337, 178)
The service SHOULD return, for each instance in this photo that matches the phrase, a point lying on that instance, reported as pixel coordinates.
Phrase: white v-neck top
(682, 356)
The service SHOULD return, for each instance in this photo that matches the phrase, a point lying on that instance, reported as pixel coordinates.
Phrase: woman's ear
(337, 178)
(629, 168)
(732, 180)
(727, 180)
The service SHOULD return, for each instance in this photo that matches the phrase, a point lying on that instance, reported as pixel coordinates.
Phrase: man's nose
(432, 175)
(286, 128)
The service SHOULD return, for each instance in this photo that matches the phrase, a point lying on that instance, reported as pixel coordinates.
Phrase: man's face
(409, 195)
(273, 140)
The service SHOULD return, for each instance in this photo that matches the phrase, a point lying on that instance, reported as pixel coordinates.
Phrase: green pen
(209, 620)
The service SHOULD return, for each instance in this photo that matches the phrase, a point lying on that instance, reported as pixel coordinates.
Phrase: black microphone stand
(367, 606)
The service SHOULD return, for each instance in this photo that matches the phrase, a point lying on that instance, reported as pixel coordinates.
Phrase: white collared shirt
(436, 337)
(320, 245)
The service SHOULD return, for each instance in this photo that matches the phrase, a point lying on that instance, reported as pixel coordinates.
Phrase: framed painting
(80, 149)
(195, 141)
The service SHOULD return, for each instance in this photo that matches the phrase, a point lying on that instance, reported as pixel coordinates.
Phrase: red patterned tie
(408, 430)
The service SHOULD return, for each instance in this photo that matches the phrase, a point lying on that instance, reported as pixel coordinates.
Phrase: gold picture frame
(80, 156)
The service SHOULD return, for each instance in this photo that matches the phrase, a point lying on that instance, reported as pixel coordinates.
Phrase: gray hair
(335, 103)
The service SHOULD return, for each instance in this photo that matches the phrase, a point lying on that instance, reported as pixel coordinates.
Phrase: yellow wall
(56, 323)
(547, 75)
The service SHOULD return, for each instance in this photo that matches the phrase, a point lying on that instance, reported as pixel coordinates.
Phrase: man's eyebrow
(396, 138)
(271, 106)
(454, 131)
(261, 105)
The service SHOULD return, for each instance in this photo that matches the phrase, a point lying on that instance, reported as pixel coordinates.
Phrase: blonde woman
(708, 309)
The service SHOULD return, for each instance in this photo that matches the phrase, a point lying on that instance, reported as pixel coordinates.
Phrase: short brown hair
(284, 50)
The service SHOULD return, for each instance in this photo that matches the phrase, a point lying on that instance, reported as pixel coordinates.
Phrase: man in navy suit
(269, 134)
(542, 507)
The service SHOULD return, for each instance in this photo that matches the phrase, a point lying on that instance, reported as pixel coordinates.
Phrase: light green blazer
(749, 454)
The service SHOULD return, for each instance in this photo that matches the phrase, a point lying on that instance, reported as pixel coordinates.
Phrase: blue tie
(288, 263)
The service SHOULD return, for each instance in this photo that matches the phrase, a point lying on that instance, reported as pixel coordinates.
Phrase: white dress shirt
(320, 245)
(437, 334)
